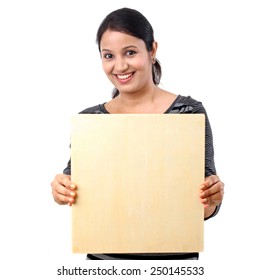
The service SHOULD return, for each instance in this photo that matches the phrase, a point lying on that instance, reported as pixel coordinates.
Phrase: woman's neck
(155, 101)
(132, 100)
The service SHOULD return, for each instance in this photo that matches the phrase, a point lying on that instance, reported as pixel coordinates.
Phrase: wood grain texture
(138, 180)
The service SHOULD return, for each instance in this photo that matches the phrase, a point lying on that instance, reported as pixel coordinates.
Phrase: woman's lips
(124, 78)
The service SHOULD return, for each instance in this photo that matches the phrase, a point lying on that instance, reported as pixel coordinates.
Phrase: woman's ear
(153, 51)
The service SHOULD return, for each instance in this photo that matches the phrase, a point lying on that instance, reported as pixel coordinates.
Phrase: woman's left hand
(212, 191)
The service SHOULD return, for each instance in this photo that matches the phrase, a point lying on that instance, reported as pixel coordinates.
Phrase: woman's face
(126, 61)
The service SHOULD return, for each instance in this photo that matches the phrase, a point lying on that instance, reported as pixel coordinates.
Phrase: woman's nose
(120, 65)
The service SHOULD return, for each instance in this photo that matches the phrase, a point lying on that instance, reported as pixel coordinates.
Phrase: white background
(50, 69)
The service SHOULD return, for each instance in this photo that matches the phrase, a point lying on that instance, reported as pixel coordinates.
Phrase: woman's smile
(124, 78)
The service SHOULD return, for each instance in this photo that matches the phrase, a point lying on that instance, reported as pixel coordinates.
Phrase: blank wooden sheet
(138, 180)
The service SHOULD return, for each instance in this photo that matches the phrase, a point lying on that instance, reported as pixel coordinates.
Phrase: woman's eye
(108, 56)
(130, 53)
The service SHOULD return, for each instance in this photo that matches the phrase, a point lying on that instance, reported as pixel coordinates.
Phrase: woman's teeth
(124, 77)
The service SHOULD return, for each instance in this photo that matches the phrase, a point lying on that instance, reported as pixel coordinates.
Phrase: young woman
(128, 51)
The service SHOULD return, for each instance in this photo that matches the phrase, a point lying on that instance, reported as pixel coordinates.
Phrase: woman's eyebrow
(105, 50)
(130, 46)
(127, 47)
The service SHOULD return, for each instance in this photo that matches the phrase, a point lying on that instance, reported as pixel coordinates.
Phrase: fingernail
(72, 194)
(72, 186)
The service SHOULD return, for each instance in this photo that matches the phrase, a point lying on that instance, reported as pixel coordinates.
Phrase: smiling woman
(127, 47)
(120, 32)
(126, 62)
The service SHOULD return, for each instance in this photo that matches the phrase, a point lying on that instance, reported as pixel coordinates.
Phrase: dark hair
(133, 23)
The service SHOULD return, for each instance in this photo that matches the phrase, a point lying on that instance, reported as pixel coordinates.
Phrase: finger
(210, 191)
(214, 189)
(62, 190)
(65, 180)
(214, 199)
(63, 199)
(209, 181)
(205, 202)
(61, 194)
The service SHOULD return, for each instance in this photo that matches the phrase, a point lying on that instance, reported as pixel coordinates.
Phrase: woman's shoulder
(97, 109)
(187, 100)
(186, 104)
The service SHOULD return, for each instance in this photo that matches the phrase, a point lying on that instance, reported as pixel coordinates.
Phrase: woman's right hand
(63, 189)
